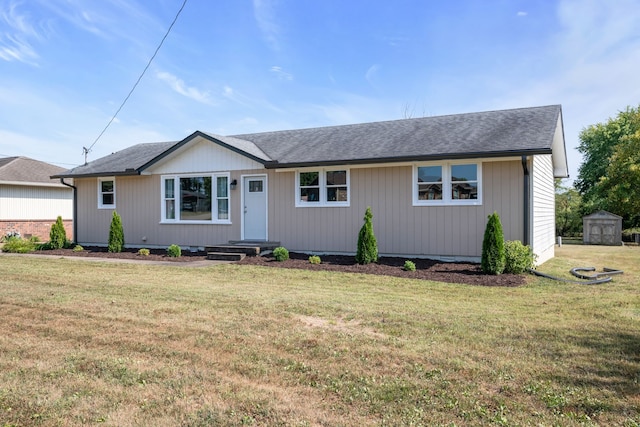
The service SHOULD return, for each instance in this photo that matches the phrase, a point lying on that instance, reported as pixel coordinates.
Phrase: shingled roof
(500, 133)
(26, 171)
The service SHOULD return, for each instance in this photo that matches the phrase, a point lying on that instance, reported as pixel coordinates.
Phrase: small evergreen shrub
(78, 248)
(315, 259)
(57, 235)
(367, 250)
(409, 266)
(18, 245)
(116, 234)
(518, 257)
(281, 253)
(34, 239)
(143, 252)
(174, 251)
(493, 253)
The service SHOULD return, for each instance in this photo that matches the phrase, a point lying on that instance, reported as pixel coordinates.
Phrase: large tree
(606, 177)
(568, 213)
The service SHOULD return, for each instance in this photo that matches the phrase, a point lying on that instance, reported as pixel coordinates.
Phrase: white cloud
(14, 43)
(264, 12)
(282, 75)
(521, 13)
(179, 86)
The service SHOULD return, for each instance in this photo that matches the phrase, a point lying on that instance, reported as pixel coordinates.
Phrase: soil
(450, 272)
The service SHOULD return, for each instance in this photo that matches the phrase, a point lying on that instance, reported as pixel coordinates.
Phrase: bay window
(195, 198)
(447, 183)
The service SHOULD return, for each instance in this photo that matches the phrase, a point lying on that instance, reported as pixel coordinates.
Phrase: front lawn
(127, 344)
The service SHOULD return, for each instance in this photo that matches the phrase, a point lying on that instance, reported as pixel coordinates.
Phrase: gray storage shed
(602, 228)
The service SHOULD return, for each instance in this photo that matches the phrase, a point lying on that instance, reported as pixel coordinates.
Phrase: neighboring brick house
(30, 201)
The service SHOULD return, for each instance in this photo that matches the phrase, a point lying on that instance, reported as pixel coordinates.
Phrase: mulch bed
(450, 272)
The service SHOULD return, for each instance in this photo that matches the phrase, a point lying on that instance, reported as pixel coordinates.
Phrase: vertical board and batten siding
(400, 227)
(19, 202)
(543, 208)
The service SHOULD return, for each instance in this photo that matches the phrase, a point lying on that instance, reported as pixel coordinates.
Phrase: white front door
(254, 217)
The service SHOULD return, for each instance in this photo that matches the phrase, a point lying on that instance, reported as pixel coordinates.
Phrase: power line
(87, 150)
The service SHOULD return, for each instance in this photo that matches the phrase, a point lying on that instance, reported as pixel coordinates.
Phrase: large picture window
(322, 187)
(449, 183)
(106, 193)
(195, 198)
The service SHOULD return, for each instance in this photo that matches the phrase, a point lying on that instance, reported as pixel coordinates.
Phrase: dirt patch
(450, 272)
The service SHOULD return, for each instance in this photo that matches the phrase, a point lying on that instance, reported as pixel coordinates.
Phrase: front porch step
(243, 247)
(225, 256)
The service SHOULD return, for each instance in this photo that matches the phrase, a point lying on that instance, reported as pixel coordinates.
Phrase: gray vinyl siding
(400, 227)
(24, 202)
(543, 207)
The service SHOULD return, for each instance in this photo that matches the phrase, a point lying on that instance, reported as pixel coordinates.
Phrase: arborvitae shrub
(493, 252)
(281, 253)
(57, 235)
(367, 251)
(174, 251)
(116, 234)
(519, 257)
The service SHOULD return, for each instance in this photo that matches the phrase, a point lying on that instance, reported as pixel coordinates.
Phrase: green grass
(127, 344)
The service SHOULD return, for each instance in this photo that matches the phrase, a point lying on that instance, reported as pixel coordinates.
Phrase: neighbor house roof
(500, 133)
(26, 171)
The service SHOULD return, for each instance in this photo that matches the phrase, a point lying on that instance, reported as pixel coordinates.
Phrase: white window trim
(176, 192)
(100, 193)
(322, 181)
(446, 185)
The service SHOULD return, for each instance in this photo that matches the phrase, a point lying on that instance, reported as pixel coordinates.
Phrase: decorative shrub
(493, 253)
(518, 257)
(281, 253)
(174, 251)
(18, 245)
(116, 234)
(78, 248)
(34, 239)
(143, 252)
(57, 235)
(367, 251)
(409, 266)
(315, 259)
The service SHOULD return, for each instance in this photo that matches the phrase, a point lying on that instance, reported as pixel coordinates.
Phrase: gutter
(525, 208)
(75, 208)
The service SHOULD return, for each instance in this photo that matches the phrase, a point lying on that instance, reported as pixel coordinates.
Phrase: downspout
(526, 225)
(75, 208)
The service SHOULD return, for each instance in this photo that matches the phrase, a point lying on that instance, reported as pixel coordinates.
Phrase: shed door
(254, 217)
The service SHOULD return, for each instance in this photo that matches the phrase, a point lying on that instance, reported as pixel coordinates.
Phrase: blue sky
(239, 66)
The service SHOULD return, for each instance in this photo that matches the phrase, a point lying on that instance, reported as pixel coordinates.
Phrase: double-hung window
(196, 198)
(448, 183)
(322, 187)
(106, 193)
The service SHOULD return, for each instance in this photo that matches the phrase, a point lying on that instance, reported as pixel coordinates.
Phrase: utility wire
(87, 150)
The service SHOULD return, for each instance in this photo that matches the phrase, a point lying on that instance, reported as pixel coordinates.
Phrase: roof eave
(407, 159)
(128, 172)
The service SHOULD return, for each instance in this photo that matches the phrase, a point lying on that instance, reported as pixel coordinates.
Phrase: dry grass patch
(121, 344)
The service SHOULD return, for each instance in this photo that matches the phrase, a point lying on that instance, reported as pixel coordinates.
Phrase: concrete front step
(225, 256)
(247, 248)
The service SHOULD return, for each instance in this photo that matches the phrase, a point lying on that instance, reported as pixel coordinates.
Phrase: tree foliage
(568, 210)
(610, 168)
(367, 251)
(116, 234)
(493, 258)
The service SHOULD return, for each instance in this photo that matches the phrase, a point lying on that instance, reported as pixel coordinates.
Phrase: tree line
(609, 176)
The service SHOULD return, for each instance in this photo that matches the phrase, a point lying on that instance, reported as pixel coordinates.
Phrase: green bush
(367, 251)
(174, 251)
(116, 234)
(314, 259)
(518, 257)
(409, 266)
(281, 253)
(18, 245)
(143, 252)
(57, 235)
(493, 253)
(78, 248)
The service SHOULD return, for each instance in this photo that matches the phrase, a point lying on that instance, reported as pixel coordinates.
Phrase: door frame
(243, 178)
